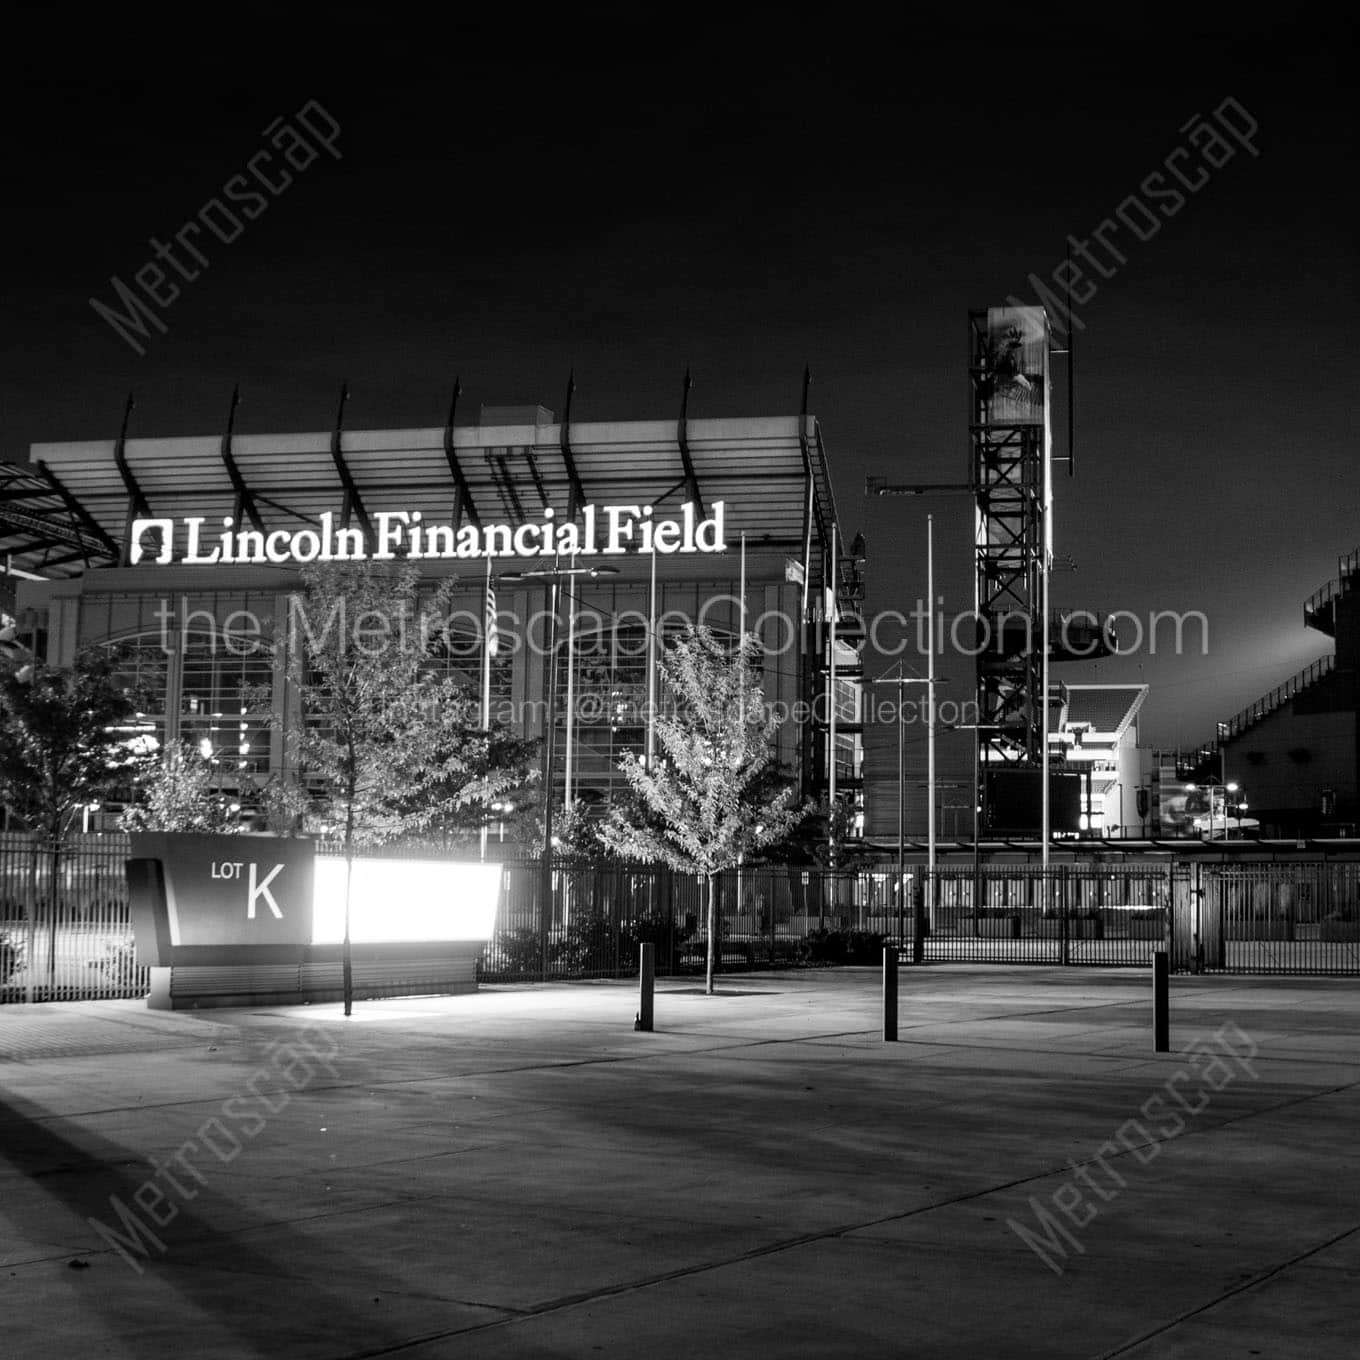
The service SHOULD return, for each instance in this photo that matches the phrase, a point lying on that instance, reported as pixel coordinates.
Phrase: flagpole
(488, 642)
(651, 667)
(741, 628)
(569, 765)
(930, 720)
(743, 585)
(831, 703)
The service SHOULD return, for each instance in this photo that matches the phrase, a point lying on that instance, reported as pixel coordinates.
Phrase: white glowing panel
(402, 900)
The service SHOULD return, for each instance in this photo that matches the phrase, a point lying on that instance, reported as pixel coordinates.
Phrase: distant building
(1093, 747)
(1293, 752)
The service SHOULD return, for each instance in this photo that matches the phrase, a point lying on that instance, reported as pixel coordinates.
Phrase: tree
(388, 743)
(178, 793)
(701, 808)
(15, 658)
(63, 741)
(497, 770)
(63, 744)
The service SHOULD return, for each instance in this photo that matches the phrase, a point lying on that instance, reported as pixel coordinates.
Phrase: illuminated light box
(400, 901)
(248, 920)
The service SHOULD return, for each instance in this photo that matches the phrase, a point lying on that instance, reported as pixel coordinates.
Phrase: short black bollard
(889, 994)
(646, 979)
(1161, 1001)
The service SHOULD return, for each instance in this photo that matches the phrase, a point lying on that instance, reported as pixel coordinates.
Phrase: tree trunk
(346, 960)
(54, 899)
(346, 964)
(710, 916)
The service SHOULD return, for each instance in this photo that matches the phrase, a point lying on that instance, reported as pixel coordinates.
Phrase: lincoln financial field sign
(605, 529)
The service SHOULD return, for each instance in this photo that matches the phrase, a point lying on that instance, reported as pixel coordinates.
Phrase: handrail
(1277, 698)
(1321, 596)
(1347, 566)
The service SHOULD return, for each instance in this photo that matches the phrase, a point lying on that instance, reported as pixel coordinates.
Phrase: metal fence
(771, 916)
(1276, 918)
(65, 932)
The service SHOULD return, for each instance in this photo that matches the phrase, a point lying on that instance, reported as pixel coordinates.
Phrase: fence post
(1064, 913)
(31, 903)
(646, 983)
(1161, 1002)
(770, 910)
(889, 994)
(918, 913)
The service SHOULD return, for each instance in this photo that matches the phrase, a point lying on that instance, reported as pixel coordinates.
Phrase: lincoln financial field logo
(401, 533)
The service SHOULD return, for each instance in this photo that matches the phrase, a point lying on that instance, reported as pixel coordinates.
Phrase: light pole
(901, 681)
(553, 577)
(1212, 787)
(502, 810)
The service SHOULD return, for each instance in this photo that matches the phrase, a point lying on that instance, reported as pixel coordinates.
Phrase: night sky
(624, 191)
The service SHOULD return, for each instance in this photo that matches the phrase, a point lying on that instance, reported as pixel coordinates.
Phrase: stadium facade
(180, 555)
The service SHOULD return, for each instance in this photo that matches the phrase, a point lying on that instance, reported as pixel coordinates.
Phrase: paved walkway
(520, 1174)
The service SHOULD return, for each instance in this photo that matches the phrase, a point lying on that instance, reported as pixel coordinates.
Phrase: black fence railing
(1276, 918)
(65, 932)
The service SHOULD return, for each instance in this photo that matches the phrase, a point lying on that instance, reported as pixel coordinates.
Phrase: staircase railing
(1277, 698)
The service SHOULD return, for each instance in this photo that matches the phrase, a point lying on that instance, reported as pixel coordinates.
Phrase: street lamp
(553, 577)
(1211, 788)
(502, 810)
(901, 680)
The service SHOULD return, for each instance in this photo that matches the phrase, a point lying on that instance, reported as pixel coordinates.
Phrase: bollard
(889, 994)
(646, 978)
(1161, 1001)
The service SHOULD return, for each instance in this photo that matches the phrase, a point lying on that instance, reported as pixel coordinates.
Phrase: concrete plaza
(519, 1173)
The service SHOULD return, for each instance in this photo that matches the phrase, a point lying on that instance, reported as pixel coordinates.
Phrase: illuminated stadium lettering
(399, 533)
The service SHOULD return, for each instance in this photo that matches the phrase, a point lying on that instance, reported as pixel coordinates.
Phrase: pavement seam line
(828, 1234)
(1259, 1279)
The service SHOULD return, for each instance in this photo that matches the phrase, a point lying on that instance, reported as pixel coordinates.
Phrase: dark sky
(624, 190)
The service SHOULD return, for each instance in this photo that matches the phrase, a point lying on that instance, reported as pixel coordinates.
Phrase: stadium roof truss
(71, 506)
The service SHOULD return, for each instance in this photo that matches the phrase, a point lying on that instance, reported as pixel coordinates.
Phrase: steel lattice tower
(1010, 437)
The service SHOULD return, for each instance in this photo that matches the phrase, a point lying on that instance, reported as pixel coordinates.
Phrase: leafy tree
(389, 744)
(178, 793)
(497, 771)
(63, 744)
(701, 803)
(15, 658)
(63, 741)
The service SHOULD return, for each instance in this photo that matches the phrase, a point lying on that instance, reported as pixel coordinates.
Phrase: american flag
(492, 636)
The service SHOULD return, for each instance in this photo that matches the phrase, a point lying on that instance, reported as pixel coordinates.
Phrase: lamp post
(553, 577)
(1217, 786)
(901, 681)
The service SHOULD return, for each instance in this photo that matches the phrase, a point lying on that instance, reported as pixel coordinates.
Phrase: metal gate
(65, 932)
(1300, 918)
